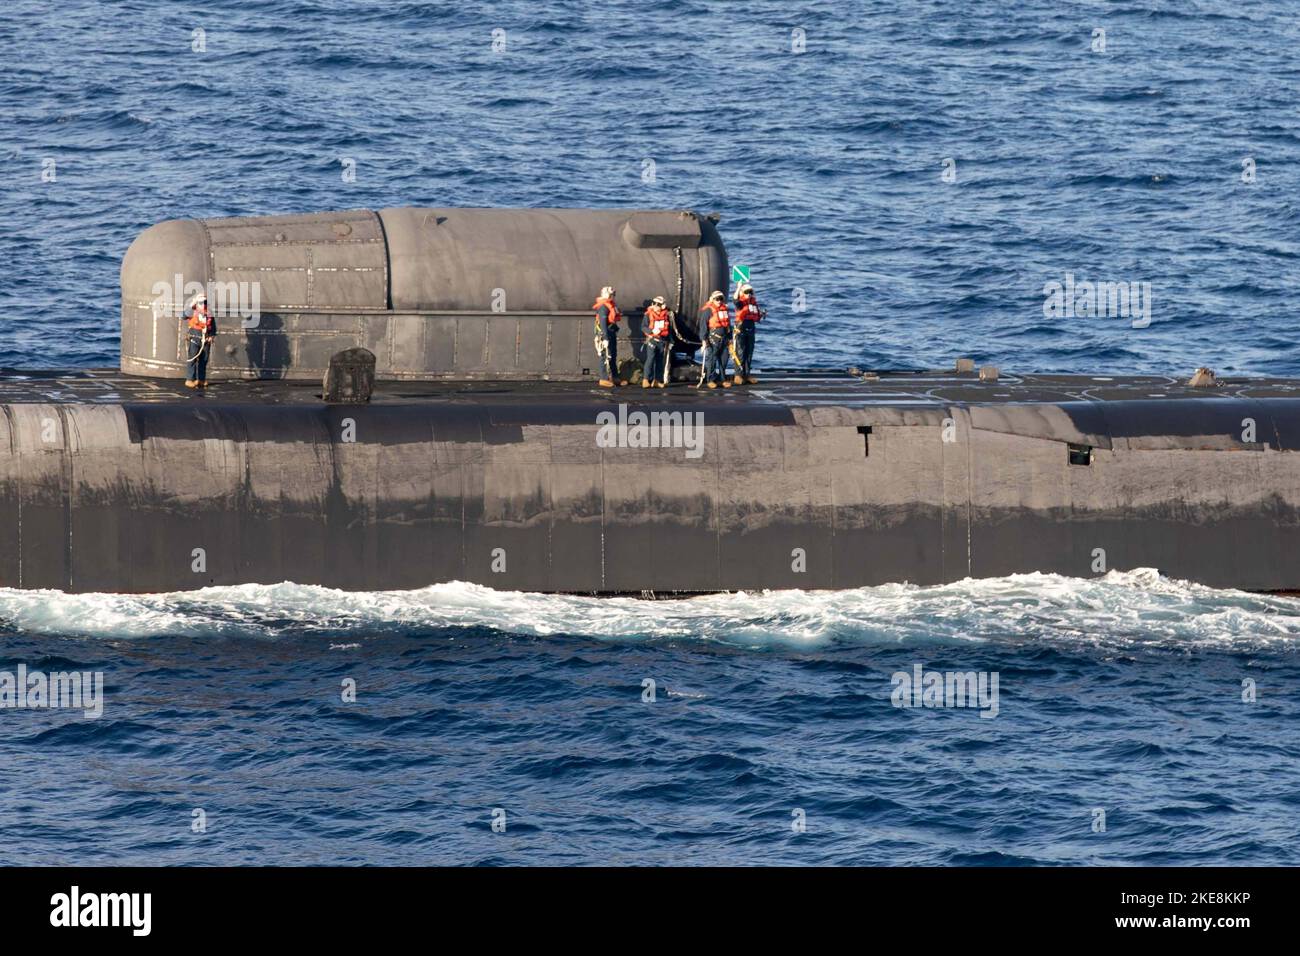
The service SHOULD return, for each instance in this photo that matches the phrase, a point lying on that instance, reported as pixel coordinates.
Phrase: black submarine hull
(487, 454)
(120, 484)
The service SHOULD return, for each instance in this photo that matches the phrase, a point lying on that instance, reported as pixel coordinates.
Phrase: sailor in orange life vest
(607, 319)
(656, 327)
(748, 315)
(201, 329)
(715, 333)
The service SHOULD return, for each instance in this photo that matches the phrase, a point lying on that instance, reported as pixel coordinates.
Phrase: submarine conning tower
(433, 293)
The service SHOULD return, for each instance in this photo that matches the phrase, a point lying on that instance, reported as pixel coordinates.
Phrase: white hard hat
(658, 300)
(745, 288)
(197, 298)
(606, 292)
(717, 294)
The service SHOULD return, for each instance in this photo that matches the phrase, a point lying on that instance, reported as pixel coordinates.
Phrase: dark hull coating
(109, 483)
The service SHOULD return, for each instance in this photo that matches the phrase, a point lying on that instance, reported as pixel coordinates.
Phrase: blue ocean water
(1170, 157)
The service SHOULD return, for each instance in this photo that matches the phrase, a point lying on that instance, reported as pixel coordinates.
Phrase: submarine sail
(433, 293)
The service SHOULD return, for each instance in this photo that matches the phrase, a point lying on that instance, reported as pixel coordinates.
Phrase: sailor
(656, 326)
(607, 319)
(748, 315)
(201, 328)
(715, 333)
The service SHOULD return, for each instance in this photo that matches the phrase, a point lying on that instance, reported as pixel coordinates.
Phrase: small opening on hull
(1080, 454)
(865, 432)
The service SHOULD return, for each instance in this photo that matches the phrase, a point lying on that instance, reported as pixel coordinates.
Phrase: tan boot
(190, 383)
(738, 380)
(646, 383)
(661, 384)
(726, 384)
(750, 380)
(605, 383)
(622, 382)
(713, 385)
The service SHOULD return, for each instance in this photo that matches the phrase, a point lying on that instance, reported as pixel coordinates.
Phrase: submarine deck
(776, 389)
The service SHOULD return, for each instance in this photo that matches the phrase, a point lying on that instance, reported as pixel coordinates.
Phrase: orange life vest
(719, 315)
(614, 314)
(658, 322)
(200, 320)
(748, 310)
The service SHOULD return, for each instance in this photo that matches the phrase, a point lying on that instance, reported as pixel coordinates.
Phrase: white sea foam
(1121, 608)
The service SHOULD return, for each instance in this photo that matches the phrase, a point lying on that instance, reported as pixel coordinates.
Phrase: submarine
(411, 399)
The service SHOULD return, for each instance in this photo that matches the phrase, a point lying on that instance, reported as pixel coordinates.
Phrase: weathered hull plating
(112, 485)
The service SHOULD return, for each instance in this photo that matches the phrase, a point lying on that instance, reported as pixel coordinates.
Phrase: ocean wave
(1120, 609)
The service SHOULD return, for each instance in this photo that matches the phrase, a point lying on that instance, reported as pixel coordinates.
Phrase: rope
(677, 303)
(677, 306)
(704, 365)
(602, 352)
(676, 327)
(203, 345)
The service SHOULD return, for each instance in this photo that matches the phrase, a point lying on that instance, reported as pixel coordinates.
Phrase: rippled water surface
(1122, 694)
